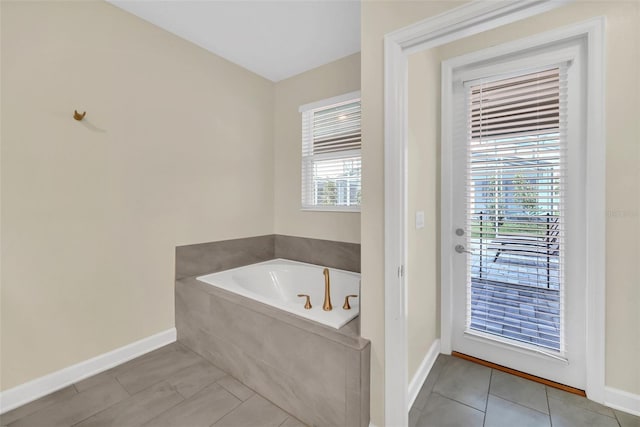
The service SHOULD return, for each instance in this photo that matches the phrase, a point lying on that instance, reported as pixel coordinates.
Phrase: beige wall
(623, 175)
(423, 253)
(176, 148)
(377, 19)
(622, 164)
(336, 78)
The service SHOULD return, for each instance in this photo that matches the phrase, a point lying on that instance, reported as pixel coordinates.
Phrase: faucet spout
(327, 291)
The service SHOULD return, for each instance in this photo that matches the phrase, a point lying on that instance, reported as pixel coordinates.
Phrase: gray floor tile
(568, 415)
(465, 382)
(414, 416)
(236, 388)
(156, 369)
(36, 405)
(519, 390)
(425, 391)
(579, 401)
(255, 412)
(106, 376)
(76, 407)
(137, 409)
(201, 410)
(292, 422)
(194, 378)
(502, 413)
(627, 420)
(97, 380)
(443, 412)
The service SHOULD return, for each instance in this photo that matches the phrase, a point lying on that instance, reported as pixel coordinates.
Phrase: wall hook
(78, 116)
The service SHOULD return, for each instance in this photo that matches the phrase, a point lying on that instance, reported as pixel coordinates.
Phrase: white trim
(593, 31)
(347, 209)
(395, 235)
(596, 202)
(423, 371)
(347, 97)
(468, 19)
(34, 389)
(622, 400)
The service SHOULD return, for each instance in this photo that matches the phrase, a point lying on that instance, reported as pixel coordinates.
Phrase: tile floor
(171, 386)
(459, 393)
(175, 387)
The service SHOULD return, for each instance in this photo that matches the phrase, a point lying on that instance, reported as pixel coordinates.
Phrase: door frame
(469, 19)
(521, 57)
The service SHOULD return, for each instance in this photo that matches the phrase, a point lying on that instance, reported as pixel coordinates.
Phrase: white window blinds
(331, 164)
(515, 195)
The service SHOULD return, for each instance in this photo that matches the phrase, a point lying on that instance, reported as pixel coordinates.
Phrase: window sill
(344, 209)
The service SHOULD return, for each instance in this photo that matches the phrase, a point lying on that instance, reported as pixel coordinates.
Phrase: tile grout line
(521, 405)
(232, 409)
(457, 401)
(226, 389)
(185, 400)
(614, 416)
(617, 419)
(104, 409)
(115, 377)
(486, 405)
(546, 393)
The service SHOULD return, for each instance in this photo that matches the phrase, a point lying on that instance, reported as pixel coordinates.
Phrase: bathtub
(278, 282)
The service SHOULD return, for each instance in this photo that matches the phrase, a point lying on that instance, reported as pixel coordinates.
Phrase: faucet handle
(346, 305)
(307, 304)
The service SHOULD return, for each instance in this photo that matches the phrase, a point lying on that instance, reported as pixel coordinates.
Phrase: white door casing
(464, 21)
(589, 258)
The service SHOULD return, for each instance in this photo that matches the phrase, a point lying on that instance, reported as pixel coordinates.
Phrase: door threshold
(520, 374)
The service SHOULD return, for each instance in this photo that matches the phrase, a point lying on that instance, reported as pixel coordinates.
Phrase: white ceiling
(275, 39)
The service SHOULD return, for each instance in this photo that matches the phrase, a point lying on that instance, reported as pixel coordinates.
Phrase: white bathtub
(278, 282)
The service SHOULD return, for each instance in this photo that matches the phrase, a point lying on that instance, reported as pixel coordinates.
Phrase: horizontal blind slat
(515, 175)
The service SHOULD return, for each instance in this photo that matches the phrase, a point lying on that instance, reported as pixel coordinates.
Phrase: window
(331, 164)
(515, 202)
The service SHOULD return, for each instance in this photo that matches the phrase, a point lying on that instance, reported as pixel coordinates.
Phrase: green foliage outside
(329, 195)
(525, 195)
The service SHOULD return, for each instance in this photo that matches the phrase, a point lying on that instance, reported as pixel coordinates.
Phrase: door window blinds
(515, 193)
(331, 164)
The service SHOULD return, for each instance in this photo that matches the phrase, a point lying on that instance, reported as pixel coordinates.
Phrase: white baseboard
(622, 400)
(32, 390)
(423, 371)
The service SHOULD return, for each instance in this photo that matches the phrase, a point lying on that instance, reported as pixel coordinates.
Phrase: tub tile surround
(316, 373)
(204, 258)
(341, 255)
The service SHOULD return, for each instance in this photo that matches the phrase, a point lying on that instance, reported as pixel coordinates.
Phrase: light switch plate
(419, 219)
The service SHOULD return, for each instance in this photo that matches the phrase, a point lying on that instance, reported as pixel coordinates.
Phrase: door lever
(460, 249)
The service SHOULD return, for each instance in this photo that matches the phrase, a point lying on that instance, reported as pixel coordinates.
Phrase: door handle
(460, 249)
